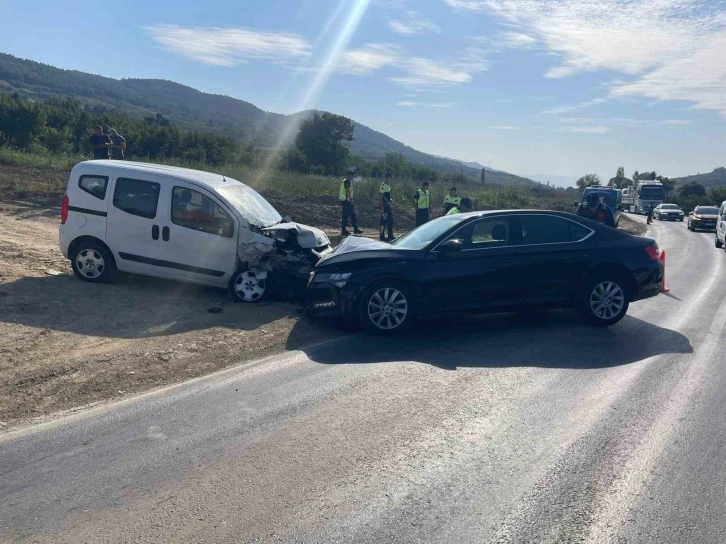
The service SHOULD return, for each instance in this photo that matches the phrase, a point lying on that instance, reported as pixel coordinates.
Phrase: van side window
(94, 185)
(193, 210)
(136, 197)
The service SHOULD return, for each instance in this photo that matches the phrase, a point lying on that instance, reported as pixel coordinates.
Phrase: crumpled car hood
(357, 243)
(307, 237)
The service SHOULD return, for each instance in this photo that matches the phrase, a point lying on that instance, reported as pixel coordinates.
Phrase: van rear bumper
(64, 242)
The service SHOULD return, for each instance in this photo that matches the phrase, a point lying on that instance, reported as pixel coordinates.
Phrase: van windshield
(251, 206)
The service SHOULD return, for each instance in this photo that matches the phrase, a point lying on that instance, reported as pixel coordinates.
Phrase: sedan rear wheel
(386, 308)
(605, 300)
(718, 243)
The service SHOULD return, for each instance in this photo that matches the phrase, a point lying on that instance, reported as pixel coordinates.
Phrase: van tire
(93, 262)
(719, 243)
(247, 288)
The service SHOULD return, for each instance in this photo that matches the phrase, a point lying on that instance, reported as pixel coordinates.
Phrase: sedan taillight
(653, 252)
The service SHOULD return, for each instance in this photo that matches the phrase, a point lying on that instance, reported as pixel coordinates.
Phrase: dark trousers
(386, 222)
(347, 211)
(422, 216)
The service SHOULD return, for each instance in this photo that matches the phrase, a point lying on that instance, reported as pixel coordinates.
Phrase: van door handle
(155, 232)
(165, 234)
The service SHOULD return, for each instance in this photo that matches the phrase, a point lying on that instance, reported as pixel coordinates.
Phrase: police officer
(385, 206)
(422, 202)
(347, 208)
(451, 200)
(464, 206)
(593, 209)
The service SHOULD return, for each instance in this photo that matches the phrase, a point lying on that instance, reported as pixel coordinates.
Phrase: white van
(721, 226)
(179, 224)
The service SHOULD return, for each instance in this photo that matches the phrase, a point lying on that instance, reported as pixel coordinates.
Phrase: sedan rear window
(549, 229)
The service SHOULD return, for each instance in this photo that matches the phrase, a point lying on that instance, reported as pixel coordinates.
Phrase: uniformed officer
(451, 200)
(593, 209)
(464, 206)
(422, 202)
(347, 206)
(385, 206)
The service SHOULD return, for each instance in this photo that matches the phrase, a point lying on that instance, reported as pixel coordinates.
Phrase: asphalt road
(491, 429)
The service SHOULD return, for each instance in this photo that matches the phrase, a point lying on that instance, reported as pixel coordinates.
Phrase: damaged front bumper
(287, 251)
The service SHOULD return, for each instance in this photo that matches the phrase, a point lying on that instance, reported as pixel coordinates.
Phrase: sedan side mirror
(577, 204)
(451, 246)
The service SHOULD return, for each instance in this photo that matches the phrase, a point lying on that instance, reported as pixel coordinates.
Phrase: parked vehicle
(668, 212)
(486, 262)
(611, 197)
(721, 226)
(181, 224)
(703, 218)
(643, 196)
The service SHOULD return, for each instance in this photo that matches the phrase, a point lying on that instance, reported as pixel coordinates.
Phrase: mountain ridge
(192, 109)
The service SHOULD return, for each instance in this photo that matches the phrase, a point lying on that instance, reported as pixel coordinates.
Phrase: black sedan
(491, 261)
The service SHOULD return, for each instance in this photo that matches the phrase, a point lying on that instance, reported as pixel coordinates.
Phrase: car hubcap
(607, 300)
(90, 263)
(248, 287)
(387, 308)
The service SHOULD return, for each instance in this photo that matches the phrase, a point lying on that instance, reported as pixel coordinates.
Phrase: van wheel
(246, 286)
(93, 262)
(387, 307)
(719, 244)
(605, 300)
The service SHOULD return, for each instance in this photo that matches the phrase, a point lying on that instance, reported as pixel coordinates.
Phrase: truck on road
(643, 196)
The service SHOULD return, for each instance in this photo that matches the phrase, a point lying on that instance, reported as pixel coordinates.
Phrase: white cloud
(669, 49)
(415, 73)
(517, 40)
(676, 122)
(574, 107)
(412, 23)
(589, 129)
(229, 46)
(438, 105)
(369, 58)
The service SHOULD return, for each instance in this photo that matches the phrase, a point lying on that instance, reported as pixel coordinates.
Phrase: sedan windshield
(425, 234)
(251, 206)
(706, 210)
(669, 207)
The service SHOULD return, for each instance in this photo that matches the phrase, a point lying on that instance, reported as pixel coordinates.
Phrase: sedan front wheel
(387, 307)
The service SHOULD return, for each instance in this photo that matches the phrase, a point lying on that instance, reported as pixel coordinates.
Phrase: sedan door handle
(165, 234)
(155, 232)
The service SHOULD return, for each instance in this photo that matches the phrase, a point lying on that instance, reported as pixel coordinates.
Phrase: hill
(717, 178)
(193, 109)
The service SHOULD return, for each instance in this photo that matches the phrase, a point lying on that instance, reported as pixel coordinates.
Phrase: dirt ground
(65, 343)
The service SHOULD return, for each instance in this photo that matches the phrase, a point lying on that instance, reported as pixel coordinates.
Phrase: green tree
(621, 172)
(717, 195)
(691, 190)
(588, 180)
(325, 139)
(635, 177)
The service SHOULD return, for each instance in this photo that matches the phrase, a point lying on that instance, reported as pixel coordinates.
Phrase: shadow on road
(134, 307)
(556, 339)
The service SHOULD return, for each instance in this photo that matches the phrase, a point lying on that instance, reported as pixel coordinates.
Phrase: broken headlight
(338, 280)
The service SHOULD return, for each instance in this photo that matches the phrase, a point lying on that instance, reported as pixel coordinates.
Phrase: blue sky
(556, 87)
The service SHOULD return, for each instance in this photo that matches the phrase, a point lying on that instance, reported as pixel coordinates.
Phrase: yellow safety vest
(423, 199)
(342, 196)
(385, 188)
(455, 200)
(454, 211)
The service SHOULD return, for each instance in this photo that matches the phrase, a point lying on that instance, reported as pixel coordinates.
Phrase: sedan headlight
(338, 280)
